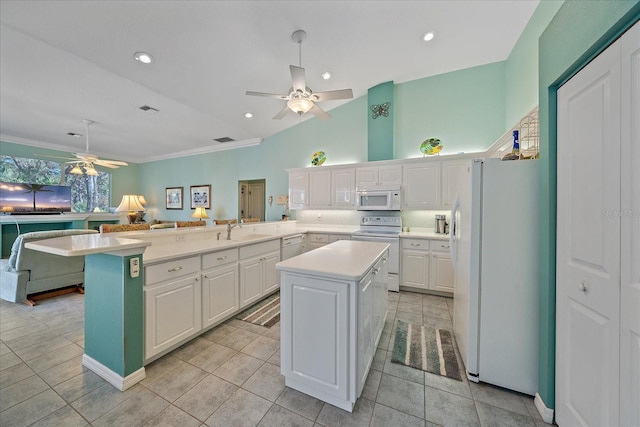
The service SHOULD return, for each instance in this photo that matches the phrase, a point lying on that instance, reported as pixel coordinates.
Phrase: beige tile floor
(229, 376)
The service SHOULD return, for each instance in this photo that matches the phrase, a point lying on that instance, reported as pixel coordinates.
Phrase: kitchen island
(333, 310)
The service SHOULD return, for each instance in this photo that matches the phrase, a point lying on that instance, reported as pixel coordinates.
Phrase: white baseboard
(119, 382)
(545, 413)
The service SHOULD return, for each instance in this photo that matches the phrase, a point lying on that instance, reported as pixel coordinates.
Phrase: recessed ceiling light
(143, 57)
(326, 75)
(248, 115)
(428, 36)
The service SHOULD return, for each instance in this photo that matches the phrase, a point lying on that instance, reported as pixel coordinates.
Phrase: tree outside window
(87, 192)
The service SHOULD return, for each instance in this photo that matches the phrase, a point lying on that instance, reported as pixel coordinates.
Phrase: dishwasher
(291, 246)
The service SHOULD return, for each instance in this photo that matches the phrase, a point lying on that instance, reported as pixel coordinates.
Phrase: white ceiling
(63, 61)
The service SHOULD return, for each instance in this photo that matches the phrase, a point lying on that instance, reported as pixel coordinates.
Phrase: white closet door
(630, 231)
(588, 245)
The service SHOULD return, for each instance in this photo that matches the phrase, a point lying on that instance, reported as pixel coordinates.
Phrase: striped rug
(265, 313)
(426, 348)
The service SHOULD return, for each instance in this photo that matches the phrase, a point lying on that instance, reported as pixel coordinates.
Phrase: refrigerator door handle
(453, 245)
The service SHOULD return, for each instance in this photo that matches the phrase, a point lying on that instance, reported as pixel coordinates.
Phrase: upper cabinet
(320, 188)
(451, 175)
(343, 188)
(378, 175)
(421, 185)
(298, 189)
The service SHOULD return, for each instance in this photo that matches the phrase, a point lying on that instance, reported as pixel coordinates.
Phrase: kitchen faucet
(229, 227)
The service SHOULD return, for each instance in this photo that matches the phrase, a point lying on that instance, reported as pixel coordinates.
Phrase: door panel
(588, 245)
(630, 227)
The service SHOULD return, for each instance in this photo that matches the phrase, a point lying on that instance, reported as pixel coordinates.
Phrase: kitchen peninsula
(333, 310)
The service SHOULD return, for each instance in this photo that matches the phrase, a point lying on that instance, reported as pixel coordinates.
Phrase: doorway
(251, 200)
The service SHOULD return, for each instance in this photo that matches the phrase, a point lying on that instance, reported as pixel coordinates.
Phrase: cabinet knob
(197, 279)
(171, 270)
(582, 287)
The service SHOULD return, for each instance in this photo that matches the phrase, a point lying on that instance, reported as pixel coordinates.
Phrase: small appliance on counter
(442, 227)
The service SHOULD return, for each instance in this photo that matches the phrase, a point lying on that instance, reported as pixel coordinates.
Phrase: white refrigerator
(494, 249)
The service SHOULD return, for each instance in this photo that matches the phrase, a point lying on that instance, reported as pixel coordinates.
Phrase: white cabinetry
(343, 187)
(372, 176)
(172, 296)
(220, 292)
(415, 263)
(330, 329)
(421, 185)
(316, 240)
(441, 278)
(451, 173)
(258, 275)
(320, 189)
(426, 264)
(298, 189)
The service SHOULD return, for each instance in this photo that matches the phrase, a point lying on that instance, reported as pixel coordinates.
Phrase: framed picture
(201, 196)
(174, 197)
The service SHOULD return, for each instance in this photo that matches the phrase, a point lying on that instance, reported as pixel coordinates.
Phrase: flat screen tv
(29, 199)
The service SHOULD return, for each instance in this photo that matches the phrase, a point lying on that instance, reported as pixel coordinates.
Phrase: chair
(113, 228)
(180, 224)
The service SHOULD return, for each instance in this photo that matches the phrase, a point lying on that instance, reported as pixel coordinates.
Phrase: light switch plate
(134, 267)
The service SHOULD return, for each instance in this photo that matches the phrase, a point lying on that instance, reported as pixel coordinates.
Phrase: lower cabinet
(172, 313)
(426, 264)
(220, 294)
(316, 240)
(258, 274)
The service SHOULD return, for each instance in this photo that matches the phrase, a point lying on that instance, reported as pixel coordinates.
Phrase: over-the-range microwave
(379, 198)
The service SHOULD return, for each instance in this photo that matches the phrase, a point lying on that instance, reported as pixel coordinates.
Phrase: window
(87, 192)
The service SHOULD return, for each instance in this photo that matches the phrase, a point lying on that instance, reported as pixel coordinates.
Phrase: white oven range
(385, 228)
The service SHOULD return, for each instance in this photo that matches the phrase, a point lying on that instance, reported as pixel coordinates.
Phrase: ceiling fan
(301, 99)
(87, 160)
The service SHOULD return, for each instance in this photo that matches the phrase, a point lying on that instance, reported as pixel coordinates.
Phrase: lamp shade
(129, 203)
(300, 105)
(141, 199)
(199, 212)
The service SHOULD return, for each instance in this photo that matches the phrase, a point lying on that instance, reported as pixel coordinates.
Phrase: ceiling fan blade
(267, 95)
(332, 95)
(319, 112)
(282, 113)
(113, 162)
(106, 165)
(297, 78)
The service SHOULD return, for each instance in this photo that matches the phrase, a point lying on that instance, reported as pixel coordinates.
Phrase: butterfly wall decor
(380, 110)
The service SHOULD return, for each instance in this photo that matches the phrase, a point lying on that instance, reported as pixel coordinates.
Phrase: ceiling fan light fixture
(300, 105)
(76, 170)
(143, 57)
(90, 170)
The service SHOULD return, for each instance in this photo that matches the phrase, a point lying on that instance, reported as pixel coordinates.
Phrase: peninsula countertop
(343, 260)
(86, 244)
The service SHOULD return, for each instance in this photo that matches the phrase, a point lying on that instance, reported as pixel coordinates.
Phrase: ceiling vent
(224, 139)
(148, 109)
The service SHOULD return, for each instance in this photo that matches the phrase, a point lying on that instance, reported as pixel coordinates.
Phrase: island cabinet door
(366, 326)
(220, 296)
(315, 336)
(172, 313)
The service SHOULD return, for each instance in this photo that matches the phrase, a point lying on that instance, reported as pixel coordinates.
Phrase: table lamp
(130, 204)
(199, 212)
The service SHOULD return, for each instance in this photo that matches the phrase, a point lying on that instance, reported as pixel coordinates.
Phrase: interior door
(256, 201)
(630, 230)
(588, 245)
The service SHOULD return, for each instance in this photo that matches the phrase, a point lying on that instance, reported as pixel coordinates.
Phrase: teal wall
(577, 33)
(343, 138)
(521, 68)
(464, 109)
(124, 180)
(380, 129)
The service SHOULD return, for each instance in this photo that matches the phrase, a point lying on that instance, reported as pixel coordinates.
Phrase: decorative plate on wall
(431, 146)
(318, 158)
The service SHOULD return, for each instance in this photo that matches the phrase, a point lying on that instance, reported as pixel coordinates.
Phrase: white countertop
(344, 260)
(65, 217)
(85, 244)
